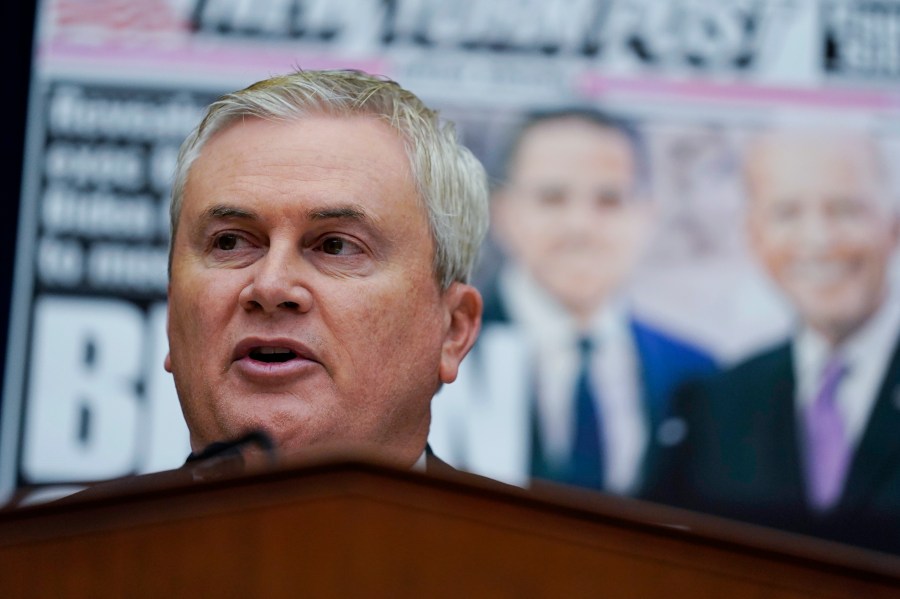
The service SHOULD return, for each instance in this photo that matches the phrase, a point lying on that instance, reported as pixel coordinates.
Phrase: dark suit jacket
(735, 451)
(665, 363)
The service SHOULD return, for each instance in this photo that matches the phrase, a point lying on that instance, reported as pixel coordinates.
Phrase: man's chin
(573, 284)
(583, 302)
(836, 325)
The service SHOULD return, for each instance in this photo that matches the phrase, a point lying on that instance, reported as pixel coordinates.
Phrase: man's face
(303, 299)
(568, 212)
(822, 226)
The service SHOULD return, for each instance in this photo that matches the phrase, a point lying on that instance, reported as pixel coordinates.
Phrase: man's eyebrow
(223, 211)
(343, 212)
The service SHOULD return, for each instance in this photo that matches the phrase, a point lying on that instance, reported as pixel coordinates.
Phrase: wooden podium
(356, 529)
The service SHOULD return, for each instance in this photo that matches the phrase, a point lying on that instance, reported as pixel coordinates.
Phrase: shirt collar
(870, 345)
(420, 465)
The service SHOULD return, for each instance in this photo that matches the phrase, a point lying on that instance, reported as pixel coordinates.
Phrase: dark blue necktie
(586, 464)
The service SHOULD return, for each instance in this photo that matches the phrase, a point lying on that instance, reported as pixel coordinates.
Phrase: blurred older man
(804, 435)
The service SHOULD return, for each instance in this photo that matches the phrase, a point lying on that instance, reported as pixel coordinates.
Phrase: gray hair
(450, 181)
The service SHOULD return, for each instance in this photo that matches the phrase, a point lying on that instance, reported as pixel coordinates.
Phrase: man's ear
(463, 305)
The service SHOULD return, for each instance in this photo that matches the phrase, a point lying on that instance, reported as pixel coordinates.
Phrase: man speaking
(323, 228)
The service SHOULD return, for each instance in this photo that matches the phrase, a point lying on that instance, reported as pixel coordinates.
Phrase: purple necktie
(827, 448)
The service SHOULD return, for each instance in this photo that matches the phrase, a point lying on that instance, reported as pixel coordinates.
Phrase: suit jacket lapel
(785, 428)
(878, 452)
(650, 396)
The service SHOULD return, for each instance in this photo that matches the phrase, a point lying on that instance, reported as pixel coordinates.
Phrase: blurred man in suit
(804, 436)
(590, 382)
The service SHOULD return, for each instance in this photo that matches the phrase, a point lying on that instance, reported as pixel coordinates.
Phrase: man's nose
(280, 282)
(817, 232)
(578, 214)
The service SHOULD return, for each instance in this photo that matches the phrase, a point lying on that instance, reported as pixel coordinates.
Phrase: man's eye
(551, 197)
(226, 242)
(847, 208)
(785, 212)
(335, 246)
(608, 198)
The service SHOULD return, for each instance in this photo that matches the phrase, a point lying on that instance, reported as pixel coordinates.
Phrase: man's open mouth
(272, 354)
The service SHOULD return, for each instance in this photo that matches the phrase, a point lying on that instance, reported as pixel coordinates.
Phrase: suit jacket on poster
(665, 363)
(737, 454)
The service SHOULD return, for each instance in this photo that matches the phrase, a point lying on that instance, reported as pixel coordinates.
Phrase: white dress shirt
(615, 375)
(865, 353)
(420, 465)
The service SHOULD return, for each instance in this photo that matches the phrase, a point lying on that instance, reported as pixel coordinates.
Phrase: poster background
(117, 84)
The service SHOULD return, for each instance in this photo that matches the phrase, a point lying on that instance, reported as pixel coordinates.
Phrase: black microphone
(226, 458)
